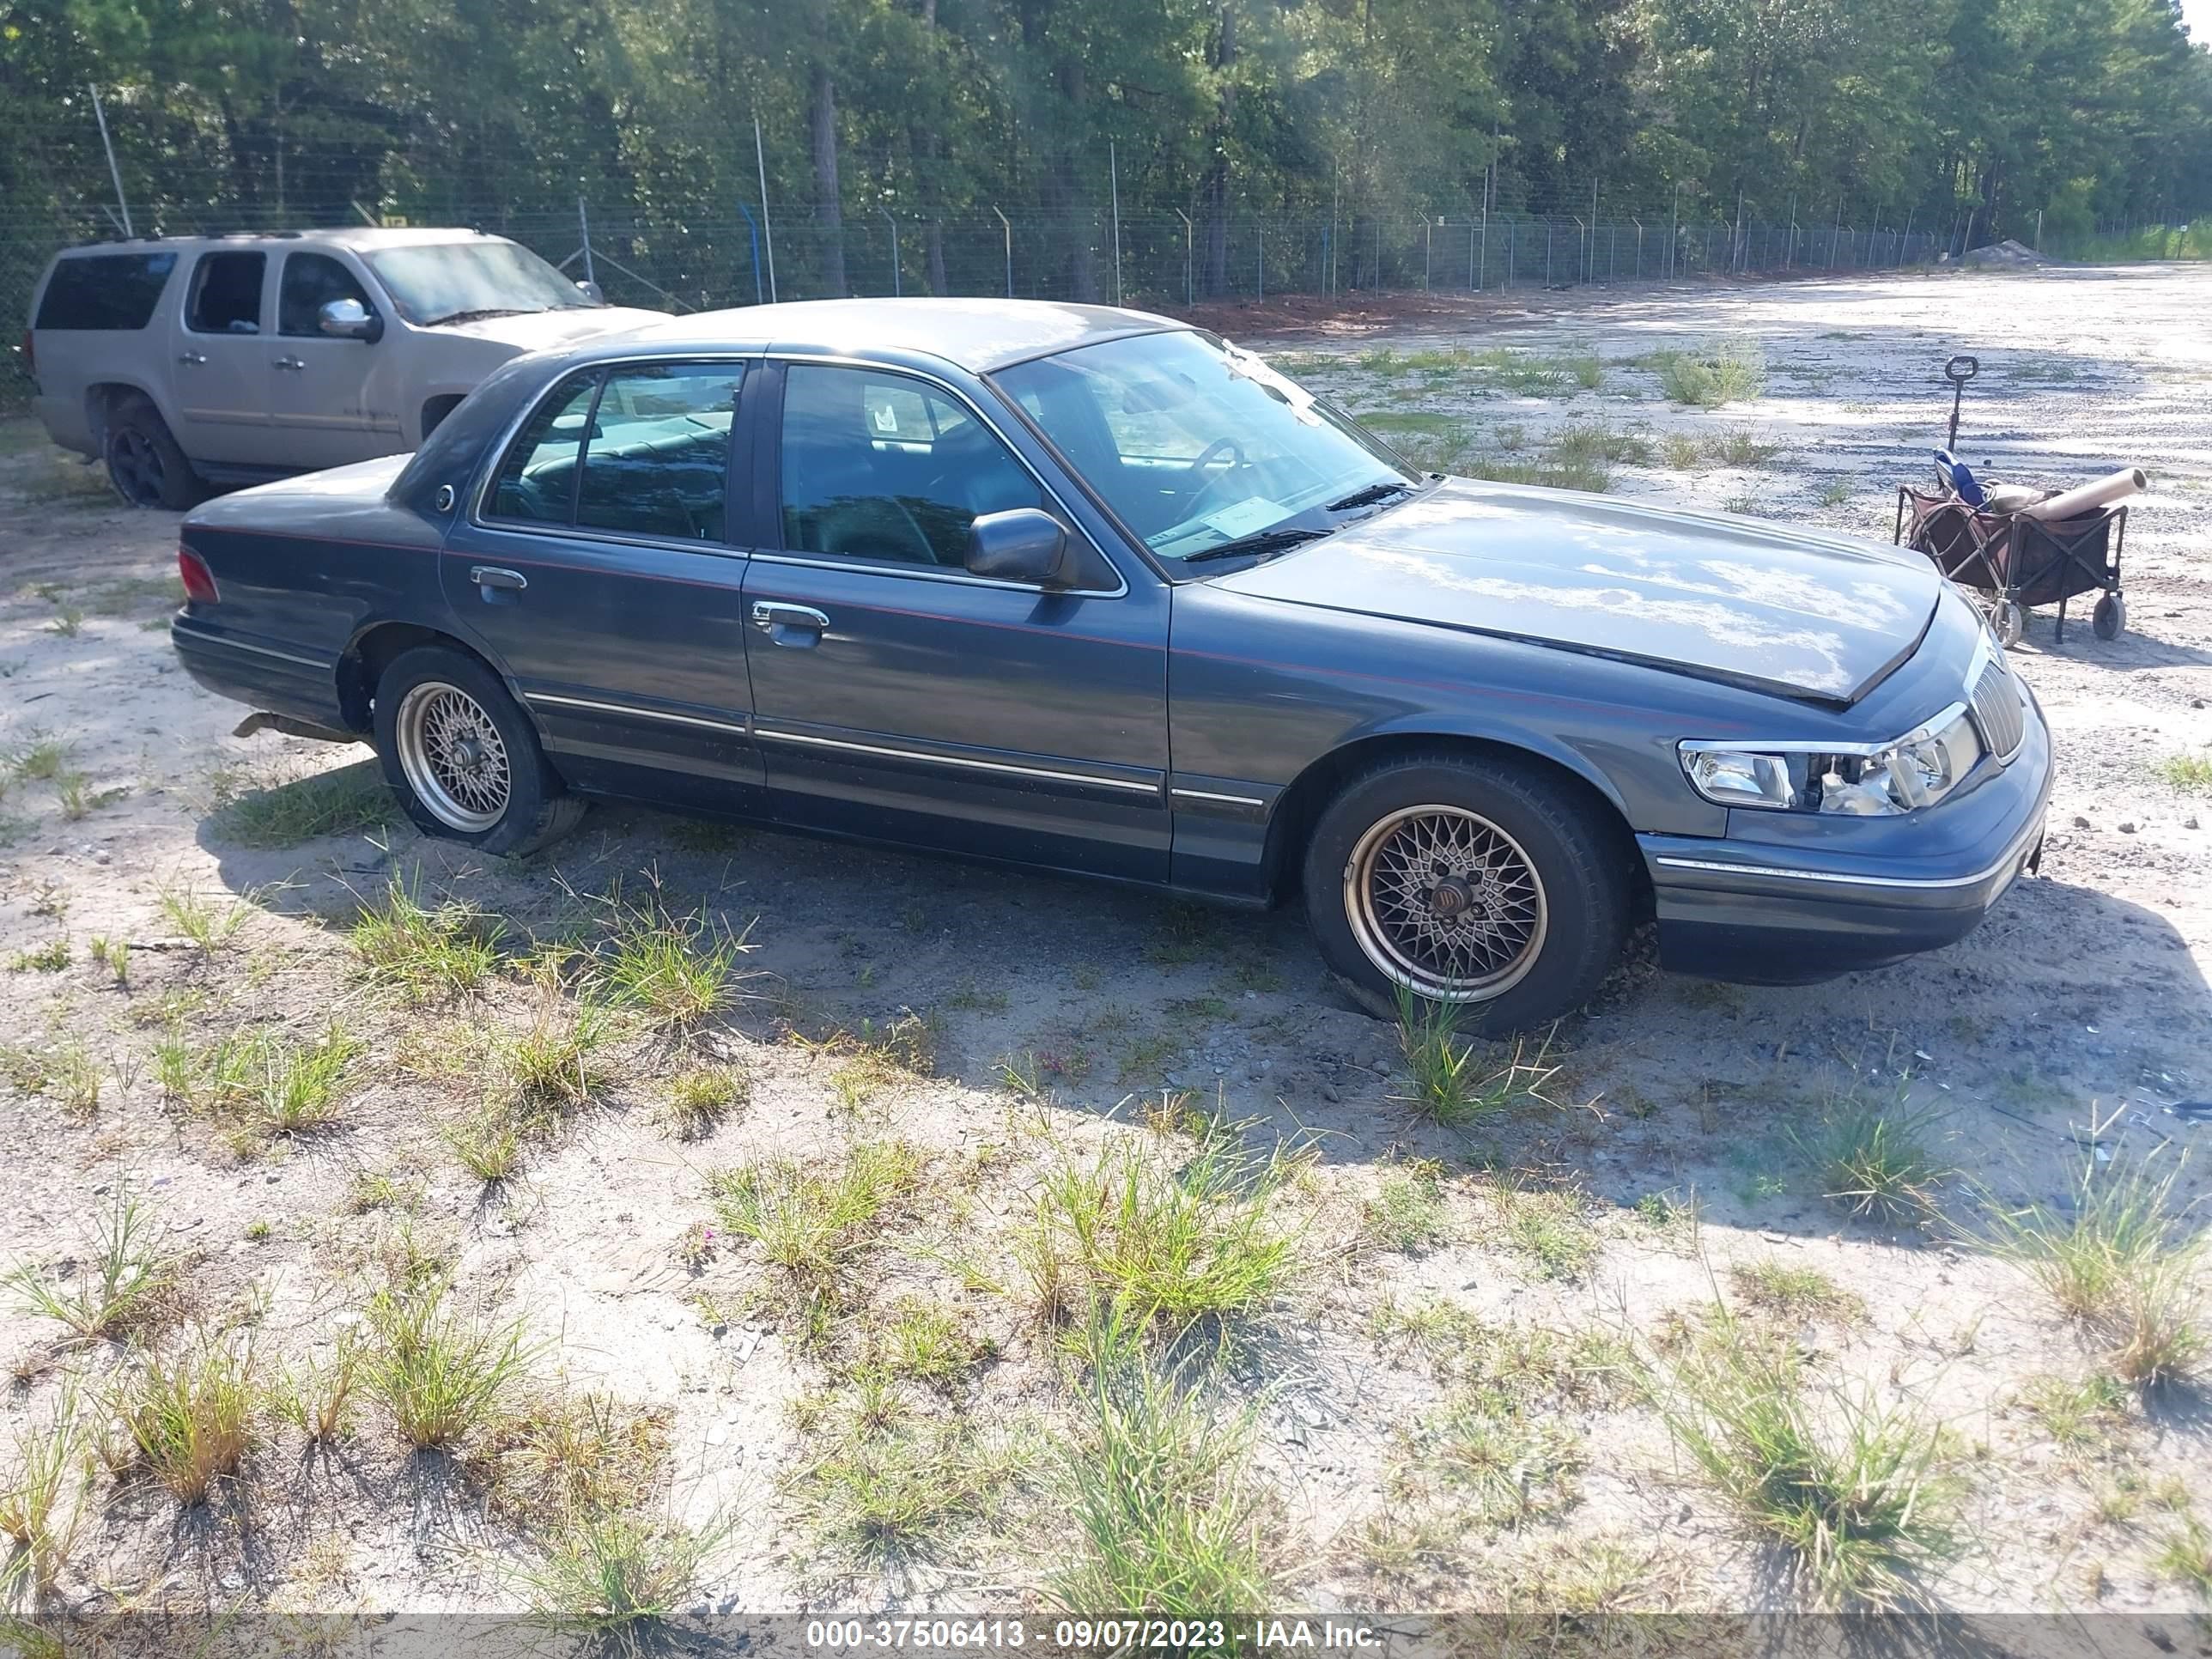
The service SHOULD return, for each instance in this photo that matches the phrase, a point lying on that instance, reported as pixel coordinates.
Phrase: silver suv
(193, 359)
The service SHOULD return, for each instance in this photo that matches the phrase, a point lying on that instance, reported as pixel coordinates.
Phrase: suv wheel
(1475, 882)
(143, 462)
(462, 756)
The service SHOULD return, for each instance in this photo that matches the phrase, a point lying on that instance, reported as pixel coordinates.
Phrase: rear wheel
(462, 756)
(2110, 619)
(1482, 884)
(143, 461)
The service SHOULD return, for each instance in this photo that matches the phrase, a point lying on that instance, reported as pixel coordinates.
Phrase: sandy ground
(2078, 1011)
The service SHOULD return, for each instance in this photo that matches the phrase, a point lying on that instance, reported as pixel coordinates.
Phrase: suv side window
(657, 460)
(104, 291)
(538, 480)
(225, 295)
(311, 282)
(876, 465)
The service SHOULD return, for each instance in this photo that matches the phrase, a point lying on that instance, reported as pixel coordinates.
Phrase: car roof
(360, 238)
(977, 335)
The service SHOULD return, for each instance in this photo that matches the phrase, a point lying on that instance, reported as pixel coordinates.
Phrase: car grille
(1998, 709)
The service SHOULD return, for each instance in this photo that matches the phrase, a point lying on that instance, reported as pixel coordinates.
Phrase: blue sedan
(1086, 590)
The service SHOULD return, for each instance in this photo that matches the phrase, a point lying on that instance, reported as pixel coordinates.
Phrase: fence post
(1113, 183)
(1511, 225)
(893, 223)
(1188, 242)
(1674, 231)
(1483, 258)
(584, 225)
(767, 220)
(1589, 257)
(113, 172)
(1260, 254)
(1428, 250)
(752, 248)
(2039, 230)
(1638, 223)
(1009, 228)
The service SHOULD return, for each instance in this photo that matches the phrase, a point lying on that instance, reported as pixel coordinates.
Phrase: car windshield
(447, 281)
(1197, 445)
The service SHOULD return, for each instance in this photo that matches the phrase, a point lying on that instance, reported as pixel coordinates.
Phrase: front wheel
(463, 758)
(1482, 884)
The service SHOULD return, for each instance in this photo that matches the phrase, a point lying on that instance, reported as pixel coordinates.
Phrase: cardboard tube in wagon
(2128, 481)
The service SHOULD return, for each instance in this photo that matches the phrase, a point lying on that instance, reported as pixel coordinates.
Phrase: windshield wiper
(479, 316)
(1371, 495)
(1259, 542)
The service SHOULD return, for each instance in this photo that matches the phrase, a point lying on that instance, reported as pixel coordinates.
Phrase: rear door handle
(490, 576)
(795, 625)
(288, 363)
(191, 356)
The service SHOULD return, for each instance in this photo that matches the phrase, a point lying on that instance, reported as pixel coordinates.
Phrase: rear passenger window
(104, 291)
(311, 282)
(538, 481)
(226, 294)
(658, 453)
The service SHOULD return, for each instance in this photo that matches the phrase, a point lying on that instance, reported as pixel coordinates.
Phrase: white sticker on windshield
(1253, 512)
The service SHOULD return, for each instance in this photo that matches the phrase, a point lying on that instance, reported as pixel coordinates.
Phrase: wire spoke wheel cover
(1445, 903)
(453, 756)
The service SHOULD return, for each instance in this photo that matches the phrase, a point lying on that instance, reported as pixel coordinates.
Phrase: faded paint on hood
(538, 331)
(1798, 612)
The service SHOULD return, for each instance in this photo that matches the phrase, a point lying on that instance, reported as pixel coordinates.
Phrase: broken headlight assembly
(1852, 779)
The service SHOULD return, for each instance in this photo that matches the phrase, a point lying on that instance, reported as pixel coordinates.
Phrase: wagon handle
(1959, 370)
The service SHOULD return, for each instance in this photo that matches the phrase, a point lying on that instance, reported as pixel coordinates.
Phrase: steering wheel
(1198, 483)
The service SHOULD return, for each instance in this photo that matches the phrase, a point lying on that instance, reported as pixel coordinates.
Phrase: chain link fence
(1146, 260)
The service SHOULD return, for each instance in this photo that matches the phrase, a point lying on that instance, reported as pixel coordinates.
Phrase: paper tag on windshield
(1253, 512)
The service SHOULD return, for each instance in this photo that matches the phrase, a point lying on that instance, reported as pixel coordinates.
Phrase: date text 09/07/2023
(1165, 1635)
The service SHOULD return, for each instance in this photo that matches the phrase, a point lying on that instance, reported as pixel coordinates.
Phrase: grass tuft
(349, 801)
(1407, 1213)
(676, 971)
(1874, 1163)
(1456, 1083)
(189, 1416)
(1857, 1492)
(811, 1226)
(702, 1096)
(1717, 372)
(440, 1374)
(123, 1288)
(2124, 1263)
(1168, 1515)
(609, 1578)
(426, 954)
(1794, 1292)
(1155, 1244)
(43, 1503)
(2190, 774)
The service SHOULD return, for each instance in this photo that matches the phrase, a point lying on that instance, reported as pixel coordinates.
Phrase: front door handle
(796, 625)
(288, 362)
(191, 356)
(490, 576)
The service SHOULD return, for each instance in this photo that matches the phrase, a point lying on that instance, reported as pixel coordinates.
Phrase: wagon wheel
(2110, 619)
(2009, 620)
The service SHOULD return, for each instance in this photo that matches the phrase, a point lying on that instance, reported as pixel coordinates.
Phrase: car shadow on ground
(2070, 1016)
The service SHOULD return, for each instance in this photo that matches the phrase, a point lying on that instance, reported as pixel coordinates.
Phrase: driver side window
(878, 466)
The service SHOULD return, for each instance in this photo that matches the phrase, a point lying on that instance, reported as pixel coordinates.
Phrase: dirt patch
(792, 1232)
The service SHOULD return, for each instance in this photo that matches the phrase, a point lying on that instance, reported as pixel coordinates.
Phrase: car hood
(1789, 611)
(536, 331)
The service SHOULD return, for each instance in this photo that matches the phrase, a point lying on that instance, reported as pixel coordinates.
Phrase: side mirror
(591, 292)
(350, 319)
(1020, 545)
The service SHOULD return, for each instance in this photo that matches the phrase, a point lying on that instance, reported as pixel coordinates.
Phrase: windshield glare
(1194, 443)
(443, 280)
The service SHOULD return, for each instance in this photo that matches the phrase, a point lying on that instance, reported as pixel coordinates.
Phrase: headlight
(1869, 780)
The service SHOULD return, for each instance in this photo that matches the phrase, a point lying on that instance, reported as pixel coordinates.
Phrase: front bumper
(1784, 901)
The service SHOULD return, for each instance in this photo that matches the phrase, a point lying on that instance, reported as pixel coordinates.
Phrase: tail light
(198, 579)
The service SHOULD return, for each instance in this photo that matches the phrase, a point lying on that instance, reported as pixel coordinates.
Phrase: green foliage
(121, 1287)
(425, 953)
(438, 1373)
(190, 1415)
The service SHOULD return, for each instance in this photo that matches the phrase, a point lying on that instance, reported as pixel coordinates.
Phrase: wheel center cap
(1450, 897)
(469, 753)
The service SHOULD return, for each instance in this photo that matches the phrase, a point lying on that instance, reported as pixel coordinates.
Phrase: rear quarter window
(104, 291)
